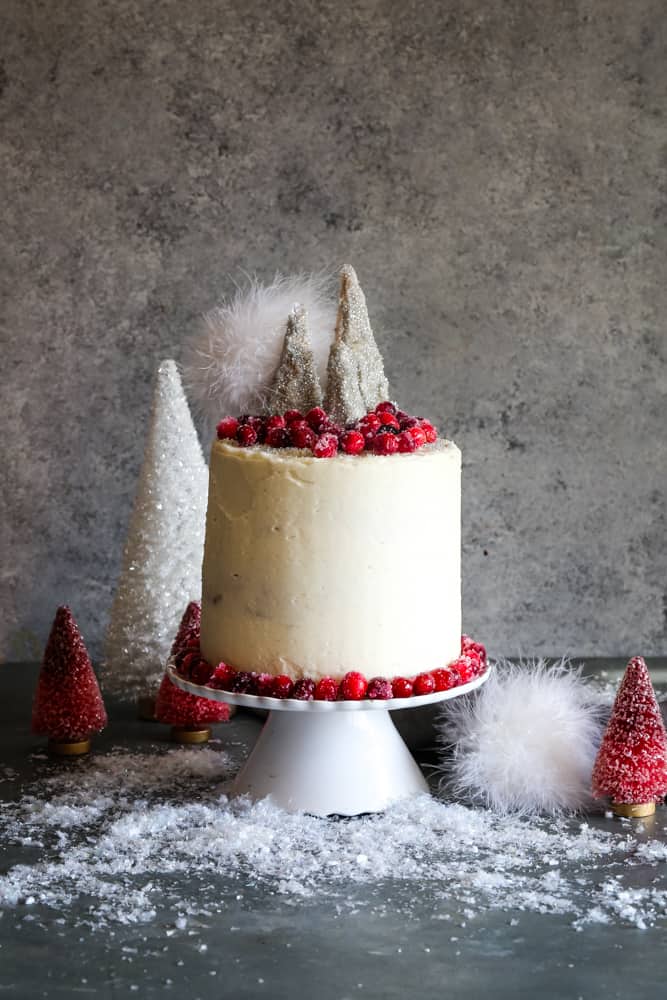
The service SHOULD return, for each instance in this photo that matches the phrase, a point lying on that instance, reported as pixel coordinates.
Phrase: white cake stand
(328, 757)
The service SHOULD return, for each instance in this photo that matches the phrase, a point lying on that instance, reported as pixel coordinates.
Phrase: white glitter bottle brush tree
(162, 559)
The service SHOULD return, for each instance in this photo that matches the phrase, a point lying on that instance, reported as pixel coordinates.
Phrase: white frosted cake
(315, 567)
(332, 558)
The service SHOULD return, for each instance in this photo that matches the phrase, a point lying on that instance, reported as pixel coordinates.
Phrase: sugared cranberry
(401, 687)
(281, 686)
(302, 434)
(304, 689)
(227, 428)
(258, 424)
(423, 684)
(385, 444)
(401, 415)
(188, 662)
(407, 422)
(222, 677)
(418, 436)
(246, 435)
(369, 424)
(475, 663)
(243, 682)
(201, 672)
(385, 407)
(275, 421)
(444, 679)
(315, 417)
(406, 442)
(379, 689)
(465, 668)
(429, 431)
(388, 420)
(292, 415)
(455, 674)
(185, 651)
(262, 684)
(471, 648)
(328, 426)
(368, 438)
(326, 690)
(353, 686)
(352, 442)
(326, 446)
(252, 421)
(278, 437)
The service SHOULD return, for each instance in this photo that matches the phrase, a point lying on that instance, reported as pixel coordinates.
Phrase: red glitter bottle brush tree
(631, 765)
(68, 706)
(188, 715)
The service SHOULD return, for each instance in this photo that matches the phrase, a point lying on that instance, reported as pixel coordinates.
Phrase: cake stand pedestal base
(328, 758)
(342, 763)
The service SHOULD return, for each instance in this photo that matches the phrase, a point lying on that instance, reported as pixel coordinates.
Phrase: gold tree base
(74, 748)
(633, 810)
(182, 734)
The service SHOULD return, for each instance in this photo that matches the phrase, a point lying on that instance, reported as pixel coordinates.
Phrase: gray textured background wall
(497, 172)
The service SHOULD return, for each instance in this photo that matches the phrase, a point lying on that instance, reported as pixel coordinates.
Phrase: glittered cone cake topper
(631, 765)
(296, 385)
(68, 706)
(356, 382)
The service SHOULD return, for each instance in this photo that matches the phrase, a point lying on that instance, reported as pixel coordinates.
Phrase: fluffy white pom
(525, 742)
(231, 365)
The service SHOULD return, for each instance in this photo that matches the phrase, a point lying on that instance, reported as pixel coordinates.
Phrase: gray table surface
(280, 950)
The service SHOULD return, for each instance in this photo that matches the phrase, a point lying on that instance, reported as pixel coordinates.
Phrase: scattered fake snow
(124, 837)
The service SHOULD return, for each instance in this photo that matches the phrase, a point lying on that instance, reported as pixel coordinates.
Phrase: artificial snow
(130, 837)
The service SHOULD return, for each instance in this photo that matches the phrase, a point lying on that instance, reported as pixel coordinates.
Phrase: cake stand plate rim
(294, 705)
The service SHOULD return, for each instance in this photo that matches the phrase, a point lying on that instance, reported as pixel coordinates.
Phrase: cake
(314, 568)
(333, 534)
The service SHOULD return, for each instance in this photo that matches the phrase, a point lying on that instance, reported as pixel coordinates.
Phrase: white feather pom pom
(231, 365)
(525, 742)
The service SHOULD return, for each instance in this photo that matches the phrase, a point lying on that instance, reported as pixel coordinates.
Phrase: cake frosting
(314, 567)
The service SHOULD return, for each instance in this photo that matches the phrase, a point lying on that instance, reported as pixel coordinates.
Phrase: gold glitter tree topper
(296, 385)
(356, 379)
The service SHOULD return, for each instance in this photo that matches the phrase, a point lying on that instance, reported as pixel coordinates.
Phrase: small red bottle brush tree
(189, 630)
(68, 706)
(188, 715)
(186, 640)
(631, 765)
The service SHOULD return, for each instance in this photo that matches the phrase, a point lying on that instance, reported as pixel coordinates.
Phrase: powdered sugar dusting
(127, 837)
